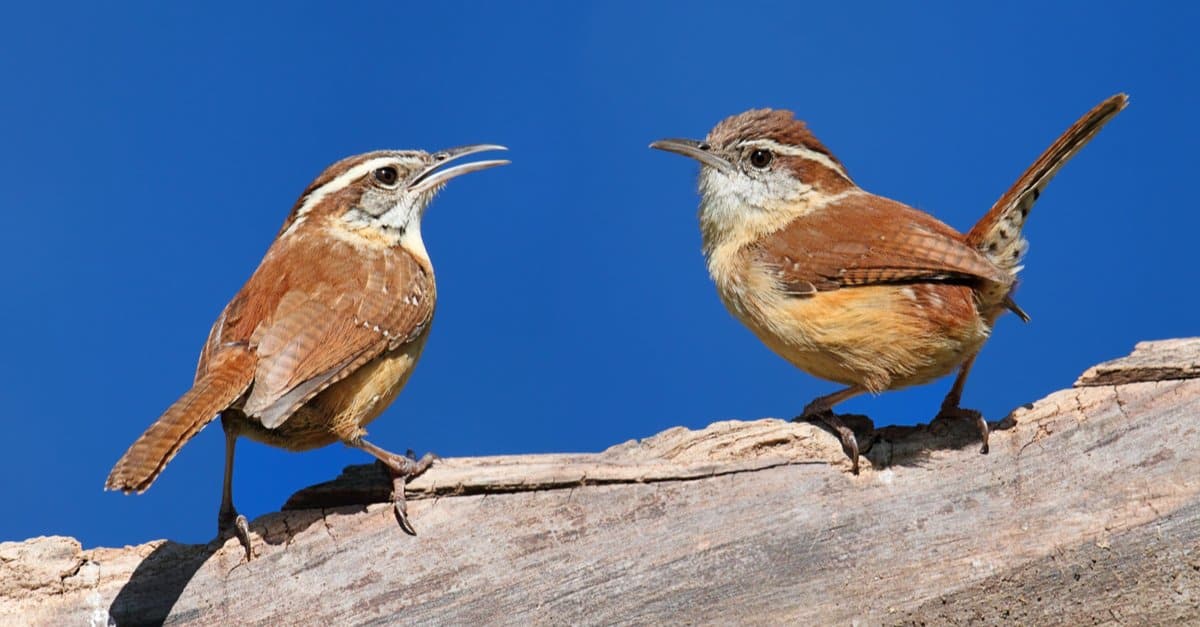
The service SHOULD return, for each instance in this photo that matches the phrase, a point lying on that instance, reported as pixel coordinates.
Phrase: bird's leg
(402, 467)
(227, 518)
(822, 409)
(950, 408)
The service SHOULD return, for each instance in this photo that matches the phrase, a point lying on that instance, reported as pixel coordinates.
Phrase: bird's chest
(750, 292)
(360, 398)
(870, 335)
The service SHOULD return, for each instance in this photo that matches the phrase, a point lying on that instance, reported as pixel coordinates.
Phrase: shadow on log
(1086, 510)
(157, 583)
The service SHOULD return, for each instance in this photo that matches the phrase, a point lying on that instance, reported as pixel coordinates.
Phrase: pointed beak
(435, 175)
(697, 150)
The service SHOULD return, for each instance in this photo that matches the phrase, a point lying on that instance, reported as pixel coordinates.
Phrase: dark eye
(387, 176)
(761, 158)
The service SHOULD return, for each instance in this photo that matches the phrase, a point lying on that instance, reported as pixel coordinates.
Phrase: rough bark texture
(1086, 511)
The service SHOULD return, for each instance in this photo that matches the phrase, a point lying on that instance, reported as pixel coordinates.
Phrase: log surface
(1087, 510)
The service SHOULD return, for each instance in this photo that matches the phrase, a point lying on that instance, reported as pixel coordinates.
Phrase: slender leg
(954, 397)
(228, 518)
(822, 409)
(950, 408)
(402, 468)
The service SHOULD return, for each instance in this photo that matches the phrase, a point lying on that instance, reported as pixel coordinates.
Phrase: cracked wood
(1086, 510)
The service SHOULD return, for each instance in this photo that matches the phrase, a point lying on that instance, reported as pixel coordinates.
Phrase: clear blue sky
(150, 152)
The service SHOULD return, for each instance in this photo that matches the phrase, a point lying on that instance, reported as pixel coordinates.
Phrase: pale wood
(1150, 361)
(1086, 511)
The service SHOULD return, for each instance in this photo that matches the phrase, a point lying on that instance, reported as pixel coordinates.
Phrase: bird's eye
(386, 175)
(761, 158)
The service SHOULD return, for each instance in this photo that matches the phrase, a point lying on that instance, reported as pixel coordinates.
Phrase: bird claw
(844, 433)
(400, 506)
(231, 521)
(403, 469)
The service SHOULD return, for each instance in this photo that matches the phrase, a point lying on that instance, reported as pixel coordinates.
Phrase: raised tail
(998, 234)
(227, 379)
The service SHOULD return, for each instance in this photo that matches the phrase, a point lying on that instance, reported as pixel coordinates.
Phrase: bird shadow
(913, 446)
(157, 583)
(160, 579)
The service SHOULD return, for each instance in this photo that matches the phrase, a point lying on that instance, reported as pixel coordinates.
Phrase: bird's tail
(225, 382)
(998, 234)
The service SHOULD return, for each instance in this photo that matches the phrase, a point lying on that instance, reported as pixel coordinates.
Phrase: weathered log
(1087, 510)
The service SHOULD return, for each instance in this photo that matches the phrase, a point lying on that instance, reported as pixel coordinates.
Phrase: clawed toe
(235, 523)
(400, 506)
(414, 467)
(402, 469)
(850, 446)
(844, 433)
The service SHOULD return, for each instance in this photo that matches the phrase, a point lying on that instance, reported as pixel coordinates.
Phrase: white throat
(400, 224)
(736, 209)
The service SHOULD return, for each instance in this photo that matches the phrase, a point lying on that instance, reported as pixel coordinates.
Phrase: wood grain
(1162, 360)
(1087, 510)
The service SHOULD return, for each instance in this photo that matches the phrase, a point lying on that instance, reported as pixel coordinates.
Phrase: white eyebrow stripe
(801, 151)
(342, 181)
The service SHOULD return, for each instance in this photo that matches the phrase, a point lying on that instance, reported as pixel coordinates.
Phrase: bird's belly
(880, 337)
(340, 412)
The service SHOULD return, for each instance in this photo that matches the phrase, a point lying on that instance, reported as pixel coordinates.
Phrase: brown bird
(850, 286)
(324, 334)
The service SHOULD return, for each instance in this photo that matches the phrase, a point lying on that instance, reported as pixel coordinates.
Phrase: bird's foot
(815, 412)
(402, 469)
(952, 411)
(231, 522)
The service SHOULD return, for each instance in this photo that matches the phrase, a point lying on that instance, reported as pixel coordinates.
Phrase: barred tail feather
(998, 234)
(226, 380)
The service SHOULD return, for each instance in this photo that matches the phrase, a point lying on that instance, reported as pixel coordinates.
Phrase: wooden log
(1087, 510)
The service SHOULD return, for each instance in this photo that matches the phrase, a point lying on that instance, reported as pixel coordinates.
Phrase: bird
(850, 286)
(326, 331)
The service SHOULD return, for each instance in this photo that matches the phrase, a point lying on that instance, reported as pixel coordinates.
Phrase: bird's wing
(315, 318)
(869, 240)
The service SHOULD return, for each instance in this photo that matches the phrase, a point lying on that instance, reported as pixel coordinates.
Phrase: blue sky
(151, 150)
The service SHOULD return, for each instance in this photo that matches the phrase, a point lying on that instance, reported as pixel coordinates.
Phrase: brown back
(866, 239)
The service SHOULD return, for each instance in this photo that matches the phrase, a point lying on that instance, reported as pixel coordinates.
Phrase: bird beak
(433, 175)
(697, 150)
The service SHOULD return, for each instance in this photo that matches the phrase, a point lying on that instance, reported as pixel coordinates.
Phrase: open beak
(697, 150)
(435, 175)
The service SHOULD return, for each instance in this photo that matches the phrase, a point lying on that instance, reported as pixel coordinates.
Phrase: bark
(1087, 510)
